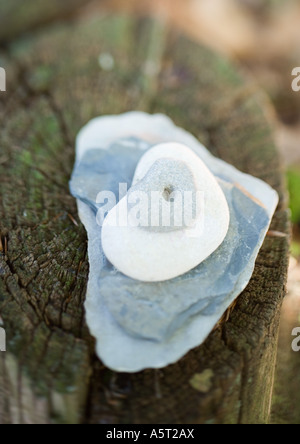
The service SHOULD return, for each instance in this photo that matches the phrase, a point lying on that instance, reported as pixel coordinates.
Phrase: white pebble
(157, 240)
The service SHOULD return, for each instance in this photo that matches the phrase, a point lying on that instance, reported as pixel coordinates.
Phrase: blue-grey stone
(149, 325)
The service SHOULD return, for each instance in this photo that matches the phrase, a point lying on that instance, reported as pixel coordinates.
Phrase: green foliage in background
(293, 177)
(295, 249)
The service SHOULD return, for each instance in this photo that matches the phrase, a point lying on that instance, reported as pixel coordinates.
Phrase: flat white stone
(157, 249)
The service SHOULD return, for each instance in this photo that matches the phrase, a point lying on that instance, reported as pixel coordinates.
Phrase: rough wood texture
(55, 85)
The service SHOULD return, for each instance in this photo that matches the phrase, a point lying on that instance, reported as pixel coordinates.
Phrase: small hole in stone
(167, 193)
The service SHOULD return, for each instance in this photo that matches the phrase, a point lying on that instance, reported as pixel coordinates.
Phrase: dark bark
(55, 85)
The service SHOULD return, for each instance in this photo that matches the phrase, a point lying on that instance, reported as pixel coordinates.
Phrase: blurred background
(263, 38)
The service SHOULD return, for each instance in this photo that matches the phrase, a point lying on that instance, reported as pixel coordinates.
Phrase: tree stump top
(55, 84)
